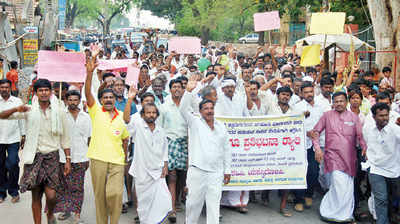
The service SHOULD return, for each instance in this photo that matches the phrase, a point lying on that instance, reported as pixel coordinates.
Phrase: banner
(62, 66)
(310, 55)
(266, 21)
(184, 45)
(267, 152)
(327, 22)
(30, 51)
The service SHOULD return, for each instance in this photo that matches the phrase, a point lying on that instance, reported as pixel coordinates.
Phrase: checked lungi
(177, 153)
(71, 198)
(44, 171)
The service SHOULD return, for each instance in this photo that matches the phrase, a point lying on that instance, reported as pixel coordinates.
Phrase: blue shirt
(121, 106)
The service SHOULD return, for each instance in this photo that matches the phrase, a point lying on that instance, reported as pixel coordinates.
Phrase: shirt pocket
(348, 128)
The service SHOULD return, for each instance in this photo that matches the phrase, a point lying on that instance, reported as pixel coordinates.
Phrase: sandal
(64, 216)
(124, 209)
(137, 220)
(172, 217)
(285, 212)
(243, 210)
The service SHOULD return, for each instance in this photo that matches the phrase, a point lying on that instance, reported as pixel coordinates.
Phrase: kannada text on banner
(267, 152)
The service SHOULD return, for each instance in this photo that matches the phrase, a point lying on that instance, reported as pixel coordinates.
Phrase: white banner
(267, 152)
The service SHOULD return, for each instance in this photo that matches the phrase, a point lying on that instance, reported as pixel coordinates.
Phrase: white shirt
(383, 149)
(80, 130)
(321, 100)
(275, 109)
(370, 122)
(151, 150)
(209, 149)
(11, 130)
(259, 111)
(316, 113)
(172, 121)
(236, 107)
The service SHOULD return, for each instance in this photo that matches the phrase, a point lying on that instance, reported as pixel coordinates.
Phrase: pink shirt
(342, 133)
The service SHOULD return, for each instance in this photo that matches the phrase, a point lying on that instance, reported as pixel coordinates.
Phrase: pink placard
(184, 45)
(132, 75)
(61, 66)
(266, 21)
(115, 64)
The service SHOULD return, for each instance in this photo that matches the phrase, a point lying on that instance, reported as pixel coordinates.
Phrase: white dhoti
(203, 187)
(338, 203)
(154, 201)
(235, 198)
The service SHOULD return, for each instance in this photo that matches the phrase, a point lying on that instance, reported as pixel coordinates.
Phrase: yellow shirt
(107, 135)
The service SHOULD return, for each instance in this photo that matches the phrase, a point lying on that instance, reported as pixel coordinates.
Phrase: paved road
(21, 212)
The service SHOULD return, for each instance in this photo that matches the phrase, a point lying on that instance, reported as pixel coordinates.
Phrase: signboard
(267, 152)
(62, 66)
(266, 21)
(327, 22)
(184, 45)
(31, 29)
(61, 14)
(30, 51)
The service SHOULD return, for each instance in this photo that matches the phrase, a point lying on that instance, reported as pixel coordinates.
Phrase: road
(21, 212)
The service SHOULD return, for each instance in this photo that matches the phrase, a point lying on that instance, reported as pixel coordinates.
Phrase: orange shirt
(12, 75)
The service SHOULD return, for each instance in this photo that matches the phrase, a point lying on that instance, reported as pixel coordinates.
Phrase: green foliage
(163, 8)
(227, 20)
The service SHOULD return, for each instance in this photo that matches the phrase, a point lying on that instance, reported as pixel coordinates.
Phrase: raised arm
(268, 85)
(131, 96)
(90, 67)
(186, 101)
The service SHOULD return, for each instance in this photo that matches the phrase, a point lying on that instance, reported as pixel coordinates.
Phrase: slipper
(137, 220)
(285, 212)
(15, 199)
(172, 217)
(243, 210)
(64, 216)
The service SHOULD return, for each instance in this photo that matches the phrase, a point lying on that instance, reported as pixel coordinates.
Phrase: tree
(75, 8)
(385, 19)
(106, 10)
(202, 15)
(170, 9)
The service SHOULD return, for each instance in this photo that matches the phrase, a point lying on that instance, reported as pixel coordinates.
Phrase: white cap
(228, 82)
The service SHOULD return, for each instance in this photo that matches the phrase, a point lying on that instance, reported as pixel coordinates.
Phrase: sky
(147, 20)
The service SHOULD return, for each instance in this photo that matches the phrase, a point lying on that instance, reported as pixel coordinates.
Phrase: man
(120, 103)
(150, 167)
(158, 87)
(313, 112)
(281, 107)
(228, 103)
(383, 97)
(209, 159)
(325, 98)
(231, 104)
(47, 132)
(64, 88)
(12, 133)
(12, 75)
(175, 128)
(107, 151)
(255, 105)
(383, 158)
(71, 199)
(387, 71)
(343, 130)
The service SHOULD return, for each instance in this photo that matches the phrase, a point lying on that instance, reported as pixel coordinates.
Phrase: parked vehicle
(249, 38)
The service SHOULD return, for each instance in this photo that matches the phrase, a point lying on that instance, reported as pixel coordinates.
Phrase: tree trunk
(205, 35)
(50, 25)
(385, 19)
(261, 38)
